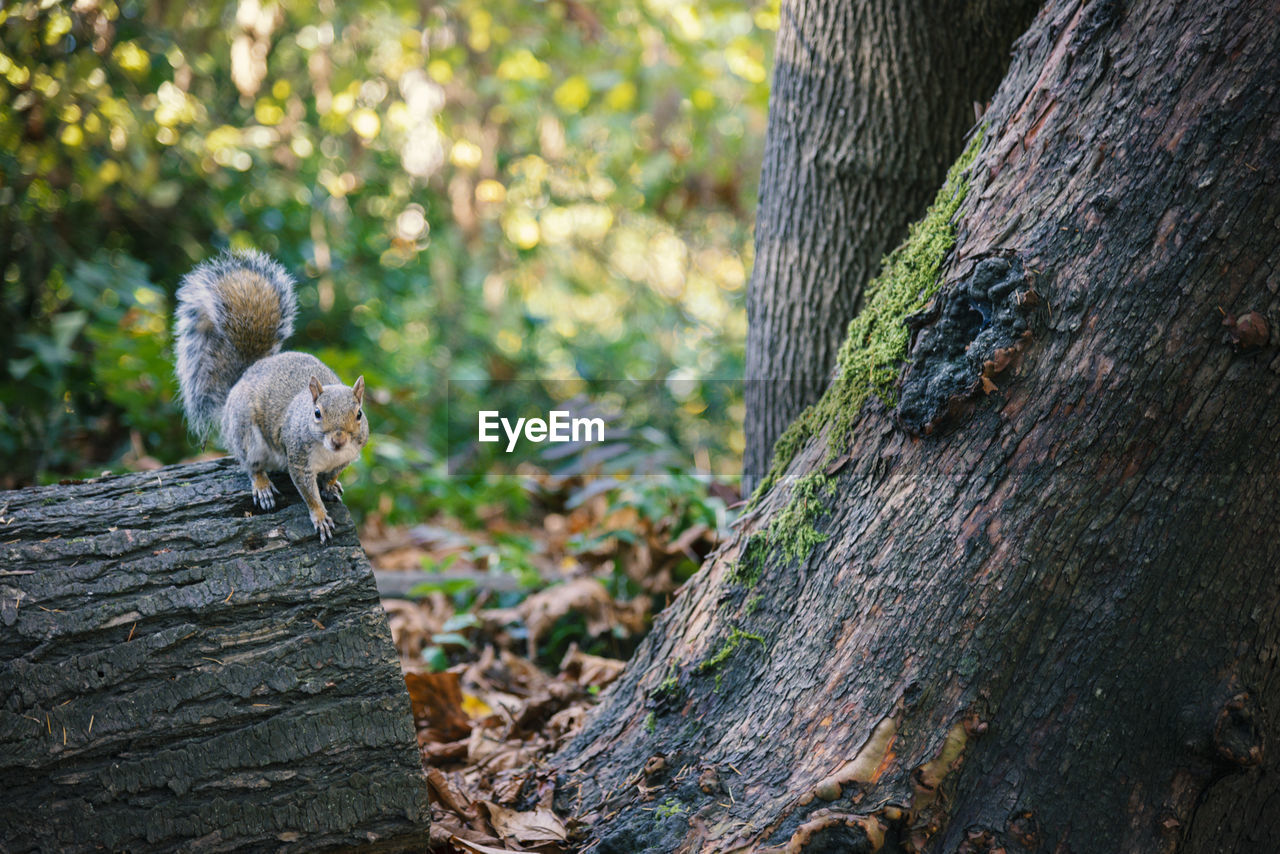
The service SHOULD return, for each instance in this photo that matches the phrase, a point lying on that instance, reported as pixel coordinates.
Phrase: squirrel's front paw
(265, 496)
(324, 525)
(332, 490)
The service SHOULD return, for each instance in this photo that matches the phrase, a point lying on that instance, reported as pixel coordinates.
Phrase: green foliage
(473, 191)
(870, 358)
(452, 635)
(664, 504)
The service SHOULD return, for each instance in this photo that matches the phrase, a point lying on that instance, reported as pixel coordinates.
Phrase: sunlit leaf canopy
(480, 191)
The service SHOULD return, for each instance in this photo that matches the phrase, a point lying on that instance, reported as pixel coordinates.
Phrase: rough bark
(183, 672)
(870, 104)
(1046, 618)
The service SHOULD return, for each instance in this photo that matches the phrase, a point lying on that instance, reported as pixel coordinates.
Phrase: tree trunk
(181, 672)
(1031, 603)
(871, 102)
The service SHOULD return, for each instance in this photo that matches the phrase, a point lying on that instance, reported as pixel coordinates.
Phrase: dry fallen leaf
(475, 707)
(485, 725)
(535, 827)
(413, 623)
(586, 597)
(449, 796)
(467, 845)
(683, 544)
(566, 721)
(437, 699)
(587, 669)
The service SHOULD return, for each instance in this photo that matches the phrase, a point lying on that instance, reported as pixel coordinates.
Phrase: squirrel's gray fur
(276, 411)
(215, 343)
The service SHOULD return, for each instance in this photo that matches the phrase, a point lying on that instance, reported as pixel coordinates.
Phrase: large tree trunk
(181, 672)
(1046, 612)
(870, 103)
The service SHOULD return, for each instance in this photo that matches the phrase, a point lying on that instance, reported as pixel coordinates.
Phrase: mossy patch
(669, 688)
(749, 566)
(726, 650)
(790, 533)
(871, 357)
(667, 694)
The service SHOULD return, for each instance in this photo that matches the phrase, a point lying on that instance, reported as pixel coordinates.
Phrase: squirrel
(277, 411)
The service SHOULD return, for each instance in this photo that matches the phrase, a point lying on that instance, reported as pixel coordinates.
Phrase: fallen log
(180, 670)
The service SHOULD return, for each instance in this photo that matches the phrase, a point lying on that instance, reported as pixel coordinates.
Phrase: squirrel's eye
(317, 413)
(359, 413)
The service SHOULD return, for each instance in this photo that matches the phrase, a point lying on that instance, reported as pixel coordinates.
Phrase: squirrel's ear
(316, 388)
(358, 389)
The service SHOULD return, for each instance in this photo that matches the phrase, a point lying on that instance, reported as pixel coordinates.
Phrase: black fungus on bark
(963, 340)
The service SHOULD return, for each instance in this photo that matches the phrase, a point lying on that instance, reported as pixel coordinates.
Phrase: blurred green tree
(477, 191)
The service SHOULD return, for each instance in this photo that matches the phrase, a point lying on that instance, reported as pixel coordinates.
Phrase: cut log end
(181, 670)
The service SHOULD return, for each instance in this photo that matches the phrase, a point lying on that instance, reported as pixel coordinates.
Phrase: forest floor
(508, 632)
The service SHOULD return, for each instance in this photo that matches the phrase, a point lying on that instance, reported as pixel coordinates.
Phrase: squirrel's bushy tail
(232, 311)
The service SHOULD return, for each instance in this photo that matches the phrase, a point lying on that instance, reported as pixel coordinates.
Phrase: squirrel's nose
(338, 442)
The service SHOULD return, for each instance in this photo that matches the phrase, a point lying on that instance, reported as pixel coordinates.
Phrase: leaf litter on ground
(519, 627)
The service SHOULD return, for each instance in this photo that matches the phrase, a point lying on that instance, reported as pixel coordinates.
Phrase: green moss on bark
(790, 533)
(749, 566)
(871, 357)
(730, 645)
(669, 688)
